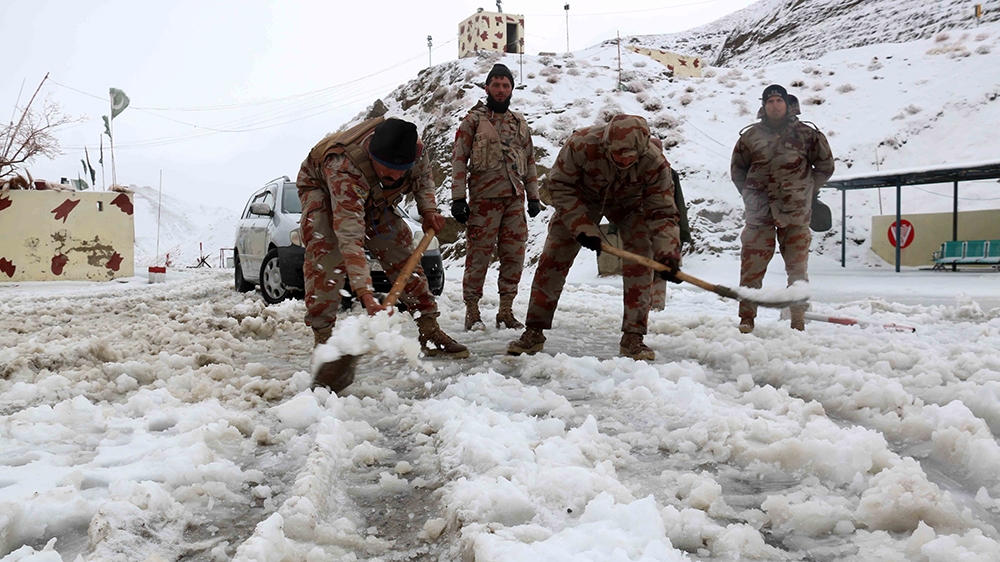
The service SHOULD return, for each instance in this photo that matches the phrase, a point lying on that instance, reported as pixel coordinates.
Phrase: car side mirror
(261, 209)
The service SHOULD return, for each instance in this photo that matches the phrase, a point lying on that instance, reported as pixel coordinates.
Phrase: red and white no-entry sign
(905, 233)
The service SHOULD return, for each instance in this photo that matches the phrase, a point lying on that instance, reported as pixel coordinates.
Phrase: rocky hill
(773, 31)
(883, 105)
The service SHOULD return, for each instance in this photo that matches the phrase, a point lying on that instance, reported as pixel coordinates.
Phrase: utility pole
(430, 43)
(566, 7)
(619, 61)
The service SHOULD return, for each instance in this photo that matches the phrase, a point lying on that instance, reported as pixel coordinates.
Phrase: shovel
(339, 373)
(717, 289)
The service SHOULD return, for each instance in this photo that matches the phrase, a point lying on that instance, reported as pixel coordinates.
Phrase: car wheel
(241, 285)
(270, 279)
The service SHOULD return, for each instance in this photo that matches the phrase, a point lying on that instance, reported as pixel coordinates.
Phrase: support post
(899, 219)
(954, 220)
(843, 228)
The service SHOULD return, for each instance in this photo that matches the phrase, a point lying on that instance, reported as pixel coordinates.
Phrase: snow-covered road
(174, 422)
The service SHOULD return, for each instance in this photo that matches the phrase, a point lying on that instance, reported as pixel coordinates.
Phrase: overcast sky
(227, 95)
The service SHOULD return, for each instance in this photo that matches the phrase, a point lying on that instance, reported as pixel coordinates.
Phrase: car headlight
(296, 237)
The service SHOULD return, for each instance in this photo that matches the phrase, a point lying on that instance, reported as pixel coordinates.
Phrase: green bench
(968, 252)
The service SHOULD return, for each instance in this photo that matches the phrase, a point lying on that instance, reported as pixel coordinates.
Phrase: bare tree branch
(32, 137)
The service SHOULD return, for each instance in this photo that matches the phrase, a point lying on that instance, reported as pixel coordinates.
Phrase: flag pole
(159, 206)
(104, 184)
(111, 137)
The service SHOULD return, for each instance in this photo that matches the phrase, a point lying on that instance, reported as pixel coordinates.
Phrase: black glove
(589, 242)
(671, 274)
(534, 207)
(460, 210)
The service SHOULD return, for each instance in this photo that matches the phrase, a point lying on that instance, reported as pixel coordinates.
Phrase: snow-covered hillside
(886, 106)
(772, 31)
(182, 225)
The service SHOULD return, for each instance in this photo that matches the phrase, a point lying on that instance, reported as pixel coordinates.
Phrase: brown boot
(530, 342)
(746, 324)
(473, 321)
(321, 335)
(798, 319)
(632, 346)
(505, 315)
(435, 342)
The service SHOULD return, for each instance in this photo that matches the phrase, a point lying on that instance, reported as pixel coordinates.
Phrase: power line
(575, 15)
(301, 106)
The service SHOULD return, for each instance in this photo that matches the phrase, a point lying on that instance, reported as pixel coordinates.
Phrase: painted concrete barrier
(64, 235)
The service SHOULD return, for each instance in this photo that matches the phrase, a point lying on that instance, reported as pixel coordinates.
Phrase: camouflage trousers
(494, 223)
(561, 249)
(323, 268)
(758, 249)
(658, 294)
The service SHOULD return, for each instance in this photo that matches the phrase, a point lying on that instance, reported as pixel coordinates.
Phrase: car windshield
(290, 203)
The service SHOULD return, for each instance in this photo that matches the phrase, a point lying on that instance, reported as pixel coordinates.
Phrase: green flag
(93, 173)
(119, 101)
(80, 184)
(107, 130)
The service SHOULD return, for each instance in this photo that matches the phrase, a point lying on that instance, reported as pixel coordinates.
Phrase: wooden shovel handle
(411, 264)
(657, 266)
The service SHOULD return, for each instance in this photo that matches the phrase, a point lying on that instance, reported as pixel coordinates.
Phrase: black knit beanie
(394, 144)
(500, 70)
(774, 90)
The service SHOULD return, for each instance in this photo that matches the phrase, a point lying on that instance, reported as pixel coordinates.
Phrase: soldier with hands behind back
(778, 165)
(493, 159)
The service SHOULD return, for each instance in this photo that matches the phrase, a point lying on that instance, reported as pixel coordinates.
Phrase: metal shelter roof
(922, 176)
(947, 173)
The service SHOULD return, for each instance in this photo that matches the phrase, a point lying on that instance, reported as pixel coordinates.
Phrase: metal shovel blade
(337, 374)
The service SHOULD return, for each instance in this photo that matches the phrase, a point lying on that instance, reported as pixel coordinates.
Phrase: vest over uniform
(493, 156)
(340, 167)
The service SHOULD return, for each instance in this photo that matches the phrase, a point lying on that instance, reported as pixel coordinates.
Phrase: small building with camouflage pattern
(491, 31)
(681, 66)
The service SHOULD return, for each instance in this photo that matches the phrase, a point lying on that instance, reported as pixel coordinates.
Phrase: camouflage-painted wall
(487, 31)
(682, 66)
(64, 235)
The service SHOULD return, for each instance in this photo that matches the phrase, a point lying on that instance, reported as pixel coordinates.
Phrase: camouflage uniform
(494, 158)
(778, 171)
(342, 214)
(586, 185)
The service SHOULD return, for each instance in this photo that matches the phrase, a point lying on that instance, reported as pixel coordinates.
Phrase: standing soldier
(349, 185)
(778, 166)
(611, 171)
(501, 169)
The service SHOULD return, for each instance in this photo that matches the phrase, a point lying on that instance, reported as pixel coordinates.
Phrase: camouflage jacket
(493, 156)
(780, 171)
(584, 178)
(358, 204)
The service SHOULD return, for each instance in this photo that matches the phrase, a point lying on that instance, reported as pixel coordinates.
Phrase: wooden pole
(13, 135)
(411, 264)
(111, 129)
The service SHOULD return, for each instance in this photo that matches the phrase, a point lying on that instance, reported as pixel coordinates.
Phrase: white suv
(269, 251)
